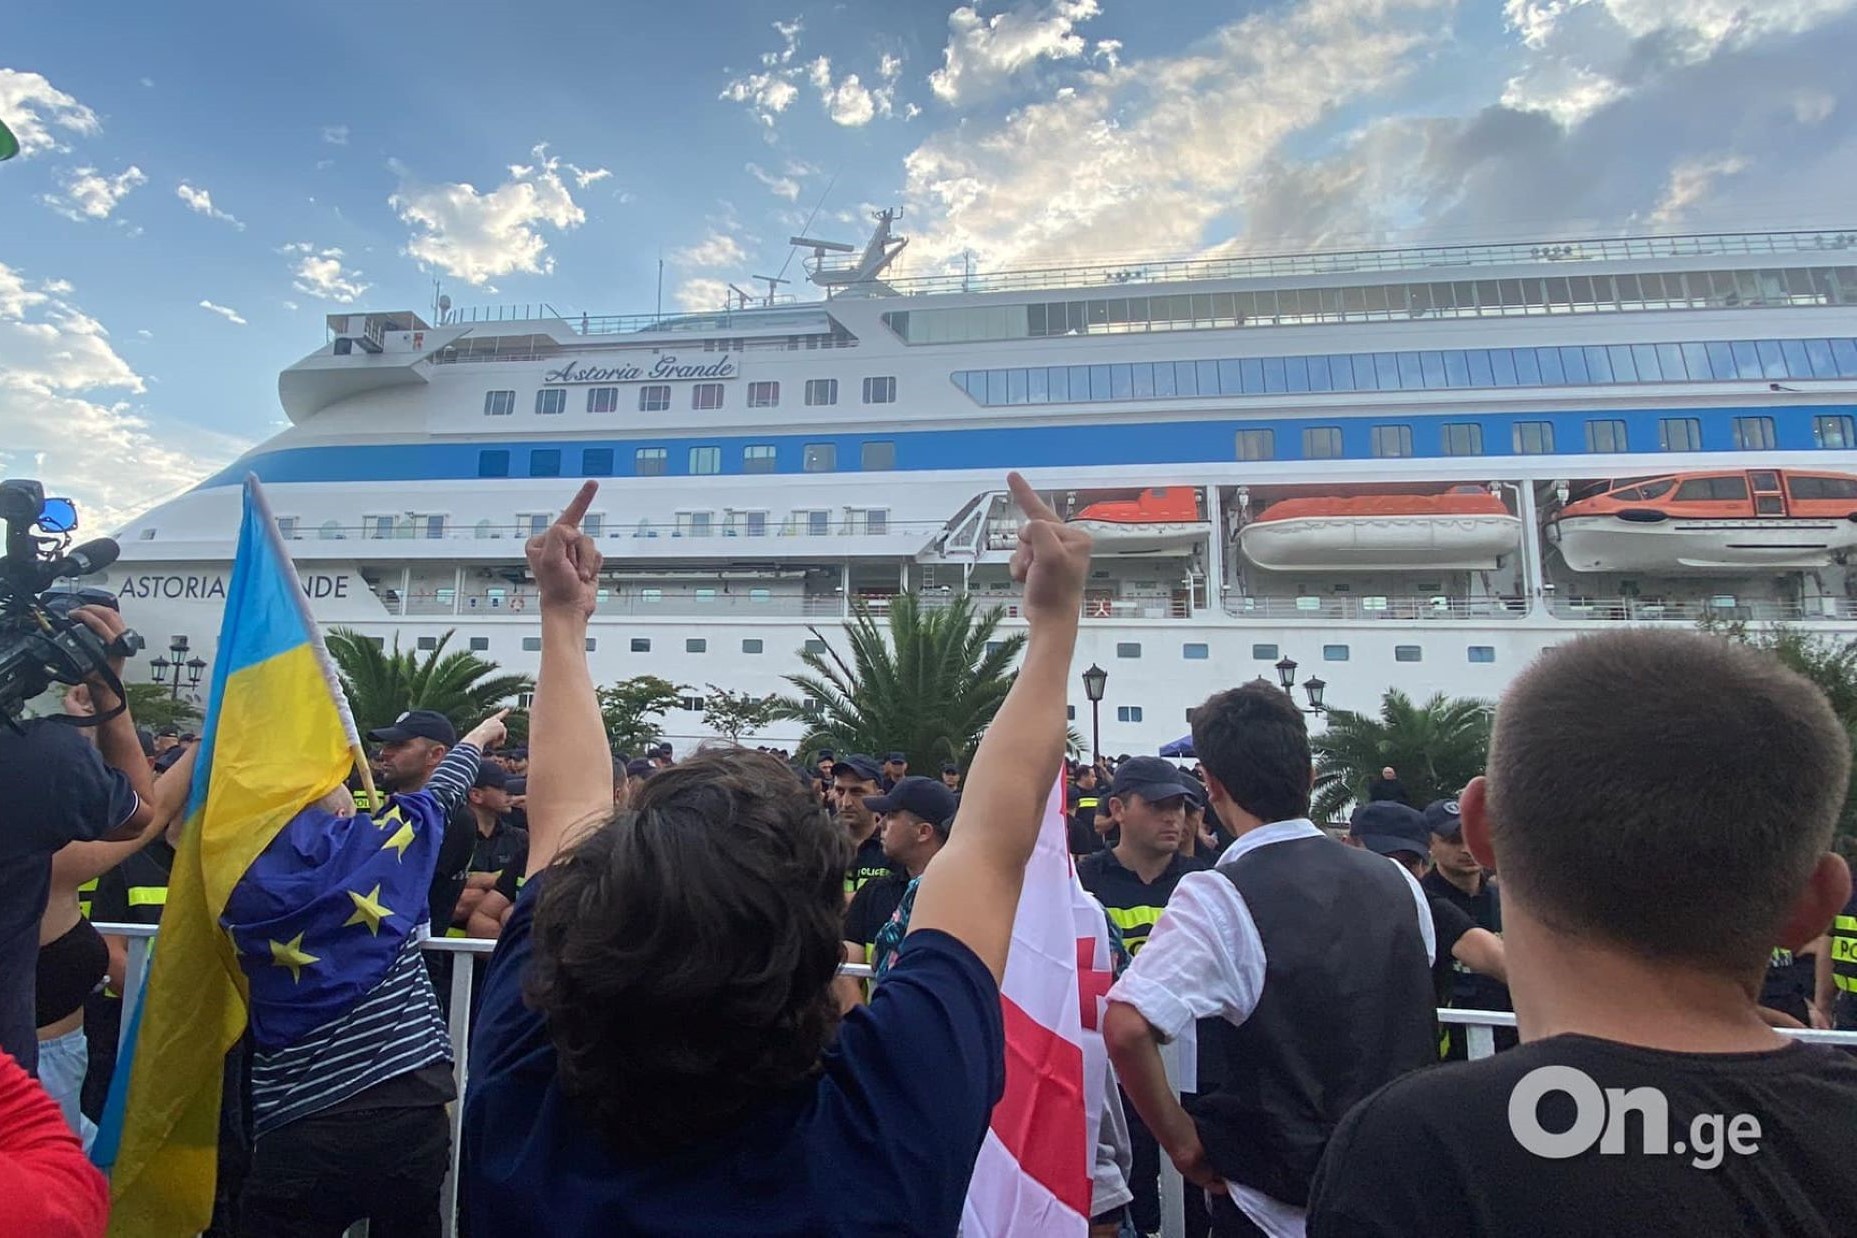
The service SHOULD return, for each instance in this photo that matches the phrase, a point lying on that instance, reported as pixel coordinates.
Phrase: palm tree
(382, 684)
(1435, 748)
(928, 686)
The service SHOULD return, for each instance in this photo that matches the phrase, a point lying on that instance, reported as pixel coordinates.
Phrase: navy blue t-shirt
(883, 1141)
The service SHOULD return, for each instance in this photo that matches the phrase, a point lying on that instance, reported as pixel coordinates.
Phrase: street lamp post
(1094, 681)
(185, 671)
(1286, 679)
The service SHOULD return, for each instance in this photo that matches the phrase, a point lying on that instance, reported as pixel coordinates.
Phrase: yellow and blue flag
(277, 737)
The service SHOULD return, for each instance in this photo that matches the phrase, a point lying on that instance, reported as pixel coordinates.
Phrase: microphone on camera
(91, 557)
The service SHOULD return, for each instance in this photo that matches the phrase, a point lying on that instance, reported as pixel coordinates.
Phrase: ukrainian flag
(277, 737)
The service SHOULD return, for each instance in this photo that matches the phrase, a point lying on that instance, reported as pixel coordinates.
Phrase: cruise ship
(1396, 468)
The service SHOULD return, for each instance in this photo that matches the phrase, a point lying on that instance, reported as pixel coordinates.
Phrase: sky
(200, 183)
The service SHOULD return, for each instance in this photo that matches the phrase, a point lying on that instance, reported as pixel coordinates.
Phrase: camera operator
(60, 790)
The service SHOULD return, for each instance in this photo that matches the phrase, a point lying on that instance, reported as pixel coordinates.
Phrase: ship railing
(1693, 610)
(524, 604)
(1371, 607)
(857, 522)
(1334, 262)
(1479, 1028)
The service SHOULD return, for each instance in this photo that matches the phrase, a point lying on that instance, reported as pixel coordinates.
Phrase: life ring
(516, 603)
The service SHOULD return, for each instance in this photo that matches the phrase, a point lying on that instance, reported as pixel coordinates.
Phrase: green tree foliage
(153, 705)
(735, 714)
(1829, 662)
(1435, 748)
(927, 682)
(631, 709)
(382, 684)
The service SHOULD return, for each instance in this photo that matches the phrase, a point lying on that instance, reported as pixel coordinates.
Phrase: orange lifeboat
(1158, 520)
(1466, 528)
(1710, 520)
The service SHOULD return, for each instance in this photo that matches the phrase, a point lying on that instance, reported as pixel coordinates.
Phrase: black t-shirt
(59, 790)
(1471, 991)
(869, 863)
(505, 846)
(872, 907)
(1433, 1154)
(454, 865)
(1449, 922)
(1788, 984)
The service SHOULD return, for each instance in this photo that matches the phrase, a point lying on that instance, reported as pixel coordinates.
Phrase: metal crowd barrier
(1479, 1028)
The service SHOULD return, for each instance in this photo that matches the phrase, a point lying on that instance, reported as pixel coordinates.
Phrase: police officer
(1086, 803)
(1837, 965)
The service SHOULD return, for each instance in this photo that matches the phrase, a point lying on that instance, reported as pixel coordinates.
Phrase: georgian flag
(1033, 1175)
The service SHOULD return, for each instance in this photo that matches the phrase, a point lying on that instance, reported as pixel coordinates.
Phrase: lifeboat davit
(1158, 520)
(1466, 529)
(1707, 521)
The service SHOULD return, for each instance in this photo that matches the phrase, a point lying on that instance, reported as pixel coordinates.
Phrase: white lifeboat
(1467, 529)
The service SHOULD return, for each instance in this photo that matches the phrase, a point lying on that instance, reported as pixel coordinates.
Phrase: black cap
(418, 724)
(925, 797)
(517, 786)
(896, 758)
(857, 765)
(949, 767)
(1442, 817)
(1387, 828)
(1154, 779)
(640, 768)
(825, 754)
(489, 775)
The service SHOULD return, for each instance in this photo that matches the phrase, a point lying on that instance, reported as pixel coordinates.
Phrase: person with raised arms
(659, 1049)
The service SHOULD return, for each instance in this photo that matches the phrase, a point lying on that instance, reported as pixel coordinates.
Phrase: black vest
(1346, 1006)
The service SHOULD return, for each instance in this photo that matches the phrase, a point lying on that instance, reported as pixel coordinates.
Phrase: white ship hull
(1386, 543)
(1608, 544)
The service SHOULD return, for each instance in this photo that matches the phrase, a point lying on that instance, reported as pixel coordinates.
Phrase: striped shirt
(394, 1029)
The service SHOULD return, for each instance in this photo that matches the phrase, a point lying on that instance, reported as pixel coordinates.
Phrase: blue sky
(202, 183)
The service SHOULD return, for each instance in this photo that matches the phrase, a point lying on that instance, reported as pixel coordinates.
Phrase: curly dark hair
(683, 954)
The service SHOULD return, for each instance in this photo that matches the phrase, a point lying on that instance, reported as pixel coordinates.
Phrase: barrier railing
(1479, 1028)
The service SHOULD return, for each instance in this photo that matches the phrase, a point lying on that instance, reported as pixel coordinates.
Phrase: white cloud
(145, 333)
(587, 176)
(89, 194)
(771, 91)
(65, 418)
(201, 201)
(292, 306)
(33, 108)
(225, 312)
(718, 249)
(984, 53)
(849, 103)
(701, 293)
(335, 135)
(477, 236)
(780, 186)
(1691, 183)
(319, 273)
(846, 100)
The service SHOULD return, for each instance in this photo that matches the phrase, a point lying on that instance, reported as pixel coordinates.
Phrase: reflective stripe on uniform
(148, 896)
(84, 894)
(1844, 952)
(1088, 801)
(1126, 918)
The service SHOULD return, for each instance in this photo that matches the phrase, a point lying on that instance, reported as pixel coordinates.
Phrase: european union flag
(322, 914)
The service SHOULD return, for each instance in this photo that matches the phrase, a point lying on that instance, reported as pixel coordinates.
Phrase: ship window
(1833, 431)
(822, 391)
(654, 398)
(551, 401)
(1334, 653)
(706, 396)
(820, 458)
(480, 644)
(1606, 436)
(531, 644)
(1534, 438)
(1391, 441)
(428, 642)
(649, 461)
(1461, 438)
(695, 644)
(880, 391)
(1808, 487)
(755, 523)
(1408, 653)
(763, 395)
(1679, 434)
(1128, 713)
(758, 458)
(1257, 444)
(593, 523)
(287, 527)
(1483, 654)
(877, 457)
(753, 644)
(1754, 433)
(499, 403)
(818, 524)
(1712, 489)
(1264, 653)
(435, 526)
(493, 463)
(602, 399)
(1321, 443)
(545, 462)
(538, 522)
(596, 462)
(705, 460)
(1070, 713)
(377, 526)
(1128, 649)
(641, 644)
(814, 645)
(1195, 651)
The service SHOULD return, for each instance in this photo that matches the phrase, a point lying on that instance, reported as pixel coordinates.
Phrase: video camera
(40, 643)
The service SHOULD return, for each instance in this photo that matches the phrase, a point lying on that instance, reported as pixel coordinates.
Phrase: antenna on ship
(772, 282)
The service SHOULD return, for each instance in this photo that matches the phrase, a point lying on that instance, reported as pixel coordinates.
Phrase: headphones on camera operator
(40, 643)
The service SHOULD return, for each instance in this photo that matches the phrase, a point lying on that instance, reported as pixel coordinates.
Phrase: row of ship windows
(1502, 298)
(1831, 431)
(656, 397)
(875, 456)
(1439, 370)
(800, 522)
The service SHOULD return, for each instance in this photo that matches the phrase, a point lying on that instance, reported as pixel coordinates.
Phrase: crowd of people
(663, 1042)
